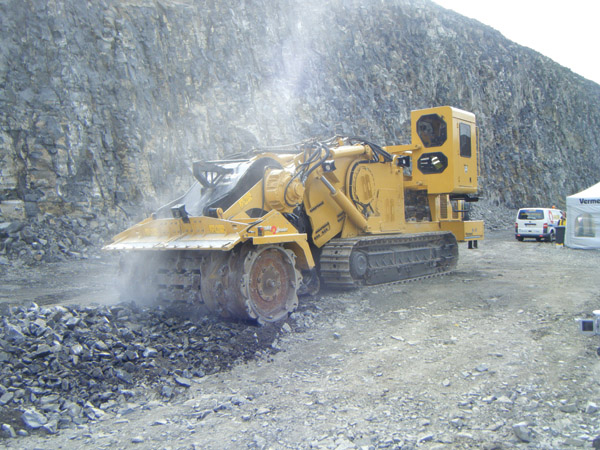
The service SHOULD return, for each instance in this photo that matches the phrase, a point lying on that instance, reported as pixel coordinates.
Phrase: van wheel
(520, 238)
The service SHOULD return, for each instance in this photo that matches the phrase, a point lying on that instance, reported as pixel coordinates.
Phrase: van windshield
(531, 214)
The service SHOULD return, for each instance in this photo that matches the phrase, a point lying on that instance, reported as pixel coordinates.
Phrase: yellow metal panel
(200, 233)
(421, 227)
(278, 238)
(274, 228)
(464, 231)
(251, 199)
(326, 217)
(297, 242)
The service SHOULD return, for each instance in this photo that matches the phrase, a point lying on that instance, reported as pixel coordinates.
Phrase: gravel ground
(487, 357)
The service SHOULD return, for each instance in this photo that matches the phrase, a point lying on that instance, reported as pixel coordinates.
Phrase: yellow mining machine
(253, 234)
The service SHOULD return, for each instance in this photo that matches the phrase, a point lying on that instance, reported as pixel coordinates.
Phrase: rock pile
(63, 366)
(495, 217)
(53, 239)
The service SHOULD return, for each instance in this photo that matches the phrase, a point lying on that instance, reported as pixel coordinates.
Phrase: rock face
(104, 105)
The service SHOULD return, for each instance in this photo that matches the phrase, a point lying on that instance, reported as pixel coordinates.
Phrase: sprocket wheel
(269, 283)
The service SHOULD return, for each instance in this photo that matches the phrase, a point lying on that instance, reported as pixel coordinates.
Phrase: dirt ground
(487, 357)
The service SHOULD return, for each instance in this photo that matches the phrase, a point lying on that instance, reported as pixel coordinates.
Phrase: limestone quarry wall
(105, 104)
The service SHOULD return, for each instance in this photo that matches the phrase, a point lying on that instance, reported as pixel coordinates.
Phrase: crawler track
(347, 263)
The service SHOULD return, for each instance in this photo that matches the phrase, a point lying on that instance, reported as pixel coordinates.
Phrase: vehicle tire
(520, 238)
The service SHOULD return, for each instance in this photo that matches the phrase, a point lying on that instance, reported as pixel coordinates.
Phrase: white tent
(583, 219)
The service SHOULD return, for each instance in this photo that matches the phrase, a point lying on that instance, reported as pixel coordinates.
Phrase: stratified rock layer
(104, 105)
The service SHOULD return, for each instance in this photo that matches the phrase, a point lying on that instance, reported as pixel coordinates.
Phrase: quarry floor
(487, 357)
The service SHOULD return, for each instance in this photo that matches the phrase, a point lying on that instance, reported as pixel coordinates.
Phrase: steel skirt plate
(178, 244)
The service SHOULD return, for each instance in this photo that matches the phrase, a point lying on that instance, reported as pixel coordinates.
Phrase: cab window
(531, 214)
(465, 140)
(432, 130)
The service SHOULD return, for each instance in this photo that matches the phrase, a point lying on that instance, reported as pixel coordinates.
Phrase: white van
(537, 223)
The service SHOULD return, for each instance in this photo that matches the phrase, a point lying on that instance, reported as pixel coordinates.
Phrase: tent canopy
(583, 219)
